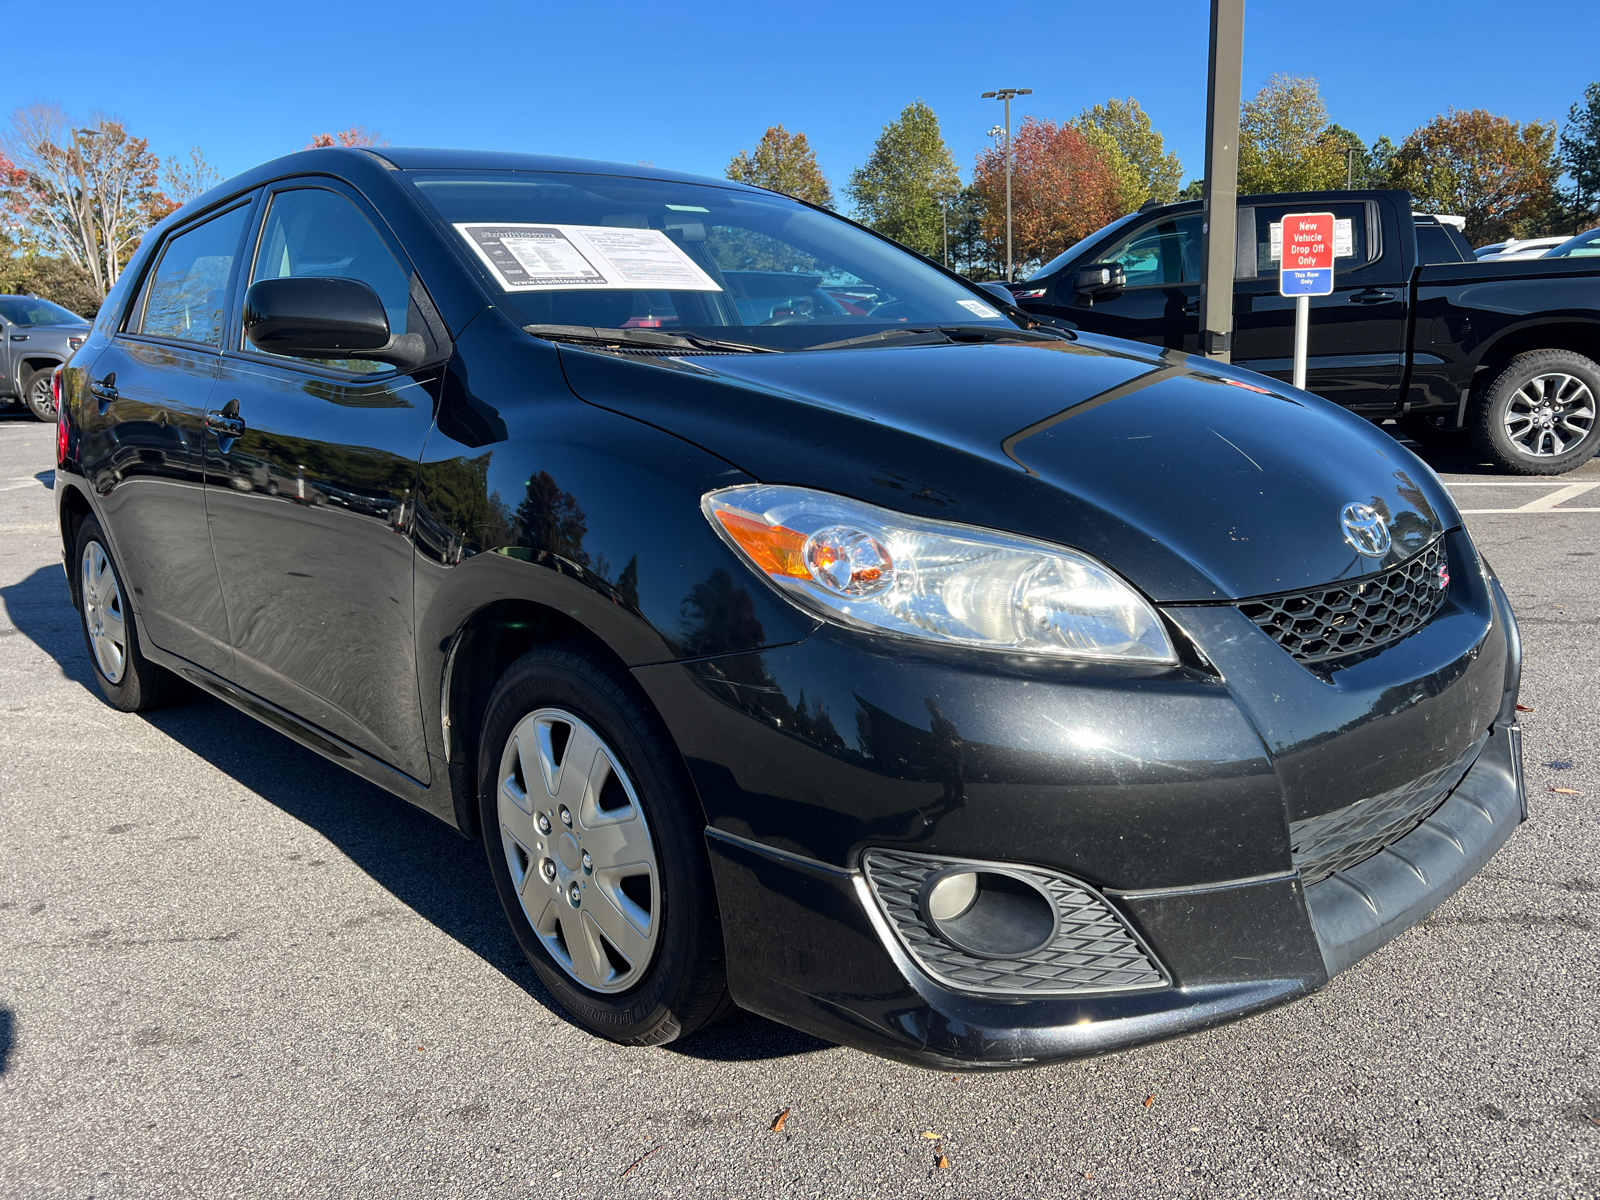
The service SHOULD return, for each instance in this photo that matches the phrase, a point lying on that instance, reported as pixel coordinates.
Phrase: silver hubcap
(103, 614)
(1549, 415)
(579, 850)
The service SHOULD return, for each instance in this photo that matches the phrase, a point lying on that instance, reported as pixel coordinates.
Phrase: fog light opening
(992, 914)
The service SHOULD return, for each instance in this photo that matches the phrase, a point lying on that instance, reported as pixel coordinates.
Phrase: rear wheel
(597, 847)
(38, 396)
(1538, 416)
(129, 680)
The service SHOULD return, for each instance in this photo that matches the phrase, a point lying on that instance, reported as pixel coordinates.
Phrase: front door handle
(19, 337)
(1192, 308)
(226, 422)
(1371, 296)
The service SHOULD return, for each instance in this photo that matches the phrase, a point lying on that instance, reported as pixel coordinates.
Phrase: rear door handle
(1371, 296)
(226, 423)
(105, 391)
(1192, 308)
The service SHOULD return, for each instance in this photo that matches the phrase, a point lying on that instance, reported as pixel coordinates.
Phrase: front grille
(1093, 949)
(1333, 841)
(1345, 619)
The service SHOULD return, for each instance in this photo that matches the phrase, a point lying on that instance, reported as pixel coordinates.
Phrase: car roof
(408, 158)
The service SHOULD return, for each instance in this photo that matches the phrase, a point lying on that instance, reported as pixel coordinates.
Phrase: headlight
(872, 568)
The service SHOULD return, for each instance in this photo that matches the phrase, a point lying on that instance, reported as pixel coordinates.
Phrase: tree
(83, 195)
(1283, 140)
(1062, 189)
(1580, 155)
(1497, 173)
(185, 181)
(356, 135)
(1133, 150)
(783, 162)
(907, 177)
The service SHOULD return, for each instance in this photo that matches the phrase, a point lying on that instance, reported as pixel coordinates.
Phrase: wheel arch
(1578, 335)
(73, 509)
(480, 651)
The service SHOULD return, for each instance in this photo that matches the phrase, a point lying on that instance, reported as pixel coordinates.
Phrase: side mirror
(325, 318)
(1000, 290)
(1100, 277)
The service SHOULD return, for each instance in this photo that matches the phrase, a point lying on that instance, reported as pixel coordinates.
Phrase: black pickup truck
(1503, 352)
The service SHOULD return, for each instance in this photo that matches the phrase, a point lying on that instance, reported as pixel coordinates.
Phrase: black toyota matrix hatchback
(797, 628)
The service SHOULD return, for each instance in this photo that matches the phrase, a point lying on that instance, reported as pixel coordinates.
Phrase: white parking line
(1542, 504)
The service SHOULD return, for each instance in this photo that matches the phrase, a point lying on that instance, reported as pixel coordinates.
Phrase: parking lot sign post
(1305, 269)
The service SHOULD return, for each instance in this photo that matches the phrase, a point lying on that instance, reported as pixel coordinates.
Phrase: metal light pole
(1218, 231)
(1349, 168)
(1007, 95)
(944, 216)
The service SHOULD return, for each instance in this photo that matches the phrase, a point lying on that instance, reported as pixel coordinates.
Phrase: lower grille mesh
(1326, 623)
(1325, 844)
(1093, 949)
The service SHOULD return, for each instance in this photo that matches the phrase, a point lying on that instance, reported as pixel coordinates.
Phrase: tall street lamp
(1007, 95)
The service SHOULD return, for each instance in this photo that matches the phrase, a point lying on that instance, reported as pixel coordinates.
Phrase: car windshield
(1585, 245)
(30, 310)
(608, 252)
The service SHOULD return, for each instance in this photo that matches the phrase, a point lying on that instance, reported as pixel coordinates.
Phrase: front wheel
(597, 847)
(1538, 416)
(38, 395)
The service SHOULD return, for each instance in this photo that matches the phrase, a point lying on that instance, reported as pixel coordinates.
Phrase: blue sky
(684, 85)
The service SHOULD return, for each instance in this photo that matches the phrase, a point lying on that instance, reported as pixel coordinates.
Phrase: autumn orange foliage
(1061, 190)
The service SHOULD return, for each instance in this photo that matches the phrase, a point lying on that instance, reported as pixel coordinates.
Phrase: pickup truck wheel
(596, 842)
(1538, 416)
(1431, 431)
(36, 394)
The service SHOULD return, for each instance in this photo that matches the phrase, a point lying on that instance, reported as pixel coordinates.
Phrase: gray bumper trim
(1362, 907)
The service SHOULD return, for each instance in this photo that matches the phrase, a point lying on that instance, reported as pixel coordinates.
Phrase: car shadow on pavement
(423, 863)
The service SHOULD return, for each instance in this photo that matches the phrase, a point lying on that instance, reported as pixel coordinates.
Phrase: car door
(1356, 342)
(1160, 302)
(309, 527)
(142, 438)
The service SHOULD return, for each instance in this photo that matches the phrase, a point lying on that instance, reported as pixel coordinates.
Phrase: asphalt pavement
(229, 968)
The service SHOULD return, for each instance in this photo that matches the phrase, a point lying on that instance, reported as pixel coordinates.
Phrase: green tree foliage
(1283, 140)
(1195, 189)
(1580, 155)
(909, 173)
(783, 162)
(1496, 172)
(1133, 151)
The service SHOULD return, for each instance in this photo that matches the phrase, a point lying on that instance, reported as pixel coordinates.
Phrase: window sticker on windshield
(1344, 239)
(530, 257)
(980, 309)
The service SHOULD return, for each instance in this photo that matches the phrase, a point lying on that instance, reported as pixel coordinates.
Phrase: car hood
(1197, 482)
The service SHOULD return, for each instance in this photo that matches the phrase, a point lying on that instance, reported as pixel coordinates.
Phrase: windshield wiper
(654, 339)
(933, 335)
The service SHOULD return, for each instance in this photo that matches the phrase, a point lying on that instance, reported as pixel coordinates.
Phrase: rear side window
(184, 297)
(1354, 234)
(1434, 245)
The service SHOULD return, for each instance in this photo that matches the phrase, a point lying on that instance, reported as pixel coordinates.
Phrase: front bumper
(1168, 794)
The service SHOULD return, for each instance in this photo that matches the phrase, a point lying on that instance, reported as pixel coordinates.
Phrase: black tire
(1432, 431)
(37, 396)
(1517, 389)
(140, 685)
(685, 985)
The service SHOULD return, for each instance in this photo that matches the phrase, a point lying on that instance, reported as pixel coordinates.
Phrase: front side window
(1167, 252)
(610, 252)
(312, 232)
(185, 294)
(1585, 245)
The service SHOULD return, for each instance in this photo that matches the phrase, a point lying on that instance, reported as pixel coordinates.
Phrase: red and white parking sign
(1306, 268)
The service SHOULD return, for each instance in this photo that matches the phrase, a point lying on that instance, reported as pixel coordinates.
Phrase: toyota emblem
(1364, 529)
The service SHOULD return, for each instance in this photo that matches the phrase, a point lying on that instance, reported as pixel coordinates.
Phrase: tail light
(62, 431)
